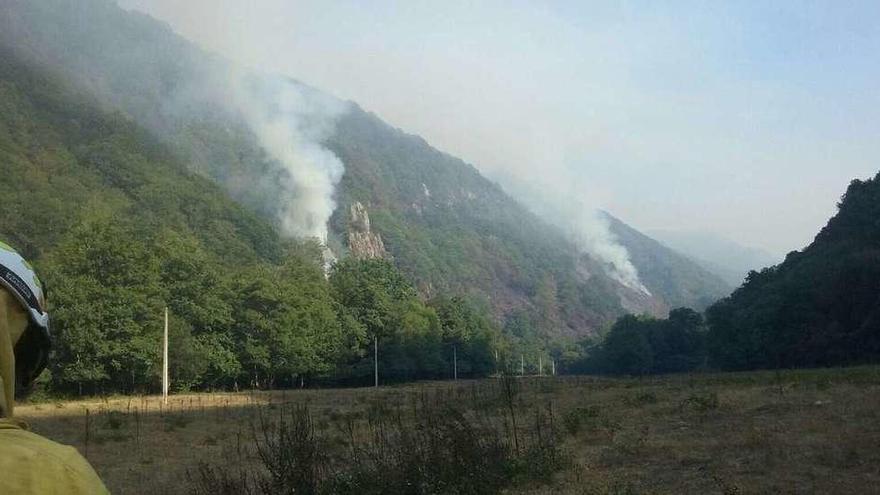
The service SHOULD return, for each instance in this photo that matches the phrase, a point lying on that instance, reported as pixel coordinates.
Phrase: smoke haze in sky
(746, 119)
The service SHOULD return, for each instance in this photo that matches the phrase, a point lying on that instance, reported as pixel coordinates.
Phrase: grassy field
(812, 431)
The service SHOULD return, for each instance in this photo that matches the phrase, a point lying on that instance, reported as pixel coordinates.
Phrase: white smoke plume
(590, 230)
(298, 176)
(291, 122)
(583, 223)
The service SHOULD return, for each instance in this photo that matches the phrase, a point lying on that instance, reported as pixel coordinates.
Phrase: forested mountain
(820, 307)
(448, 229)
(120, 229)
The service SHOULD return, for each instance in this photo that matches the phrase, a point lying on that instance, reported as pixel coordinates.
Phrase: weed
(700, 402)
(725, 487)
(631, 442)
(734, 426)
(542, 457)
(548, 386)
(173, 422)
(640, 399)
(115, 420)
(575, 419)
(610, 487)
(290, 454)
(102, 437)
(509, 394)
(437, 449)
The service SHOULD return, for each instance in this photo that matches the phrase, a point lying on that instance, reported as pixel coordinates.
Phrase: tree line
(641, 345)
(259, 325)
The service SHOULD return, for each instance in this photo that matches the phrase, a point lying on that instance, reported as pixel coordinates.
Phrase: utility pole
(454, 363)
(376, 359)
(165, 362)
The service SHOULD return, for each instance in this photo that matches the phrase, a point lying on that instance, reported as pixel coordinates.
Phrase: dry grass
(793, 432)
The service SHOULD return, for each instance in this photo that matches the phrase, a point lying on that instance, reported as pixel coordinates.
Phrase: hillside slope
(730, 260)
(674, 277)
(451, 229)
(820, 307)
(64, 159)
(119, 230)
(441, 222)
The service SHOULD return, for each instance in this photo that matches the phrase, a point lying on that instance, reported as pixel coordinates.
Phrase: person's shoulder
(23, 452)
(37, 448)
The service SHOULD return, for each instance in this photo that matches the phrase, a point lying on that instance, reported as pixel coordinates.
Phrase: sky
(742, 119)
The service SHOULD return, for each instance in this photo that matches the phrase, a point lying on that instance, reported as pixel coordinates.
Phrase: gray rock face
(363, 243)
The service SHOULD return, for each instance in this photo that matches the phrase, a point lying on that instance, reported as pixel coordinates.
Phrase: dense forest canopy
(820, 307)
(640, 345)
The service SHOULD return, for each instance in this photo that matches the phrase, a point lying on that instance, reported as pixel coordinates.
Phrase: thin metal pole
(540, 365)
(165, 361)
(376, 359)
(454, 363)
(522, 365)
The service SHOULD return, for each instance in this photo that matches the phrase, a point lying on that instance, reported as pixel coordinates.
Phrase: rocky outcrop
(363, 242)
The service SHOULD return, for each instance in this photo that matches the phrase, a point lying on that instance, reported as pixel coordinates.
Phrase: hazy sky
(746, 119)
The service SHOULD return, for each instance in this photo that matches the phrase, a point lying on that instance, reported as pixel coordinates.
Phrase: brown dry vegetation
(813, 431)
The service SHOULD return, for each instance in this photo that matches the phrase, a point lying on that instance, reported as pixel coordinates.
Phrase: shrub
(434, 448)
(701, 402)
(576, 418)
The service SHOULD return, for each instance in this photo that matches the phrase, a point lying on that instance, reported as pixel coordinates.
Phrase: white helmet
(32, 350)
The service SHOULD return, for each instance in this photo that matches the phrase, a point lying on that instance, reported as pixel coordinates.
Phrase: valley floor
(809, 431)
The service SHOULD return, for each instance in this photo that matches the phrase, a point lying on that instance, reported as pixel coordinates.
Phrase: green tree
(107, 302)
(286, 325)
(627, 348)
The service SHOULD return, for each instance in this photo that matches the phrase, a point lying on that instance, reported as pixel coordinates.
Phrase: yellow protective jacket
(29, 463)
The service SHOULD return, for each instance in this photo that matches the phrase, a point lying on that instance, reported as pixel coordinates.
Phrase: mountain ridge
(445, 225)
(819, 307)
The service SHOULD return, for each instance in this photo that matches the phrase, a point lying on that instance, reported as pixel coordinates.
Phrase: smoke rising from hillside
(709, 104)
(291, 121)
(582, 221)
(592, 233)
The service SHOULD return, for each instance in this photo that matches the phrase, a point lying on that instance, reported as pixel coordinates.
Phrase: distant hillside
(442, 223)
(724, 257)
(820, 307)
(675, 277)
